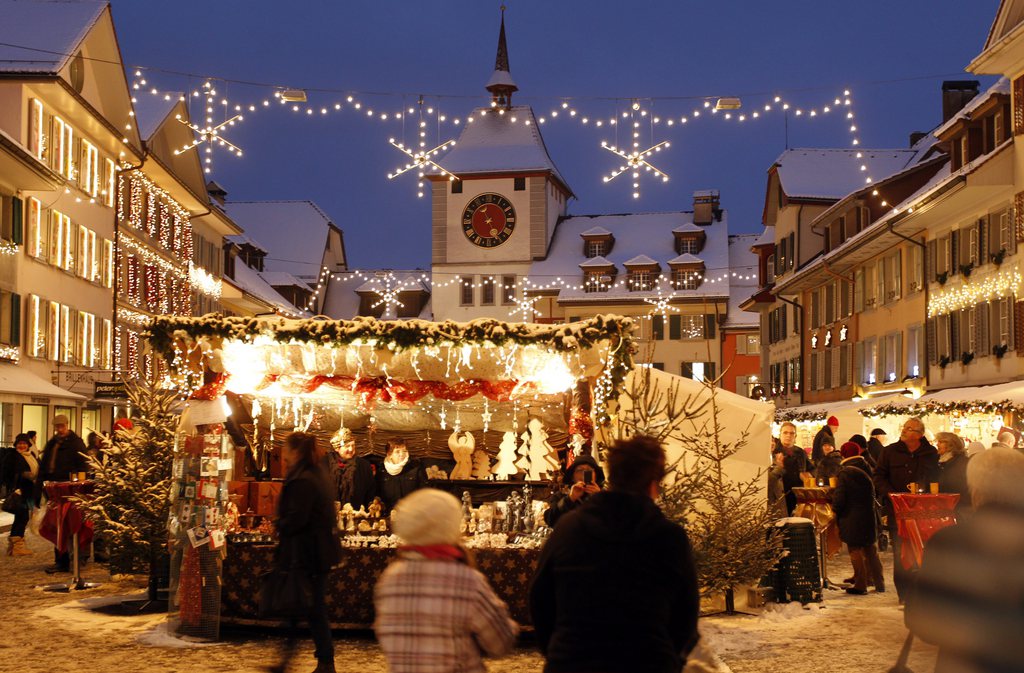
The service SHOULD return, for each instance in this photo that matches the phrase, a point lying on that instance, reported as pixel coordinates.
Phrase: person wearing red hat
(853, 500)
(828, 431)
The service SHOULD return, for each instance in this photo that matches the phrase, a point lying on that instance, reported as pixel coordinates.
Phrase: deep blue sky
(585, 50)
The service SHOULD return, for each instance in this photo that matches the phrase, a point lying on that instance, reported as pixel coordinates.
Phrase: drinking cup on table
(832, 482)
(934, 488)
(73, 476)
(81, 476)
(912, 487)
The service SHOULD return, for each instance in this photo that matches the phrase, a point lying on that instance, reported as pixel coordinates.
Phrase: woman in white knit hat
(435, 612)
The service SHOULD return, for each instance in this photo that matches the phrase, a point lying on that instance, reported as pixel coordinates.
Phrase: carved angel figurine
(462, 448)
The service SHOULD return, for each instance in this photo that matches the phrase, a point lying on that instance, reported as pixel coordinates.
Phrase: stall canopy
(19, 382)
(995, 399)
(399, 374)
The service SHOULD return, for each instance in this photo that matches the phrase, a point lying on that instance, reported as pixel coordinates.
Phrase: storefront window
(33, 417)
(70, 413)
(90, 422)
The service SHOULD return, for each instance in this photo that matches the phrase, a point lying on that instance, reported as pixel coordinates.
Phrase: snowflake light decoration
(636, 160)
(661, 305)
(525, 307)
(421, 159)
(210, 133)
(389, 297)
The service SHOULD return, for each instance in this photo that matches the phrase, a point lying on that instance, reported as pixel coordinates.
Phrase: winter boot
(324, 667)
(19, 548)
(10, 545)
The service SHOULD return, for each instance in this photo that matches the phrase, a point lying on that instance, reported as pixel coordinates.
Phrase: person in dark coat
(828, 465)
(776, 489)
(827, 432)
(401, 475)
(967, 596)
(646, 620)
(580, 485)
(63, 455)
(911, 459)
(876, 443)
(352, 476)
(953, 461)
(308, 539)
(853, 500)
(20, 471)
(794, 463)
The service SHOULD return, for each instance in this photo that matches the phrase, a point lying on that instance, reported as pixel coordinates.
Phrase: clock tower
(499, 212)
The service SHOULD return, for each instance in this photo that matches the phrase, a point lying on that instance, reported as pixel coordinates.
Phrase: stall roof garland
(941, 408)
(793, 416)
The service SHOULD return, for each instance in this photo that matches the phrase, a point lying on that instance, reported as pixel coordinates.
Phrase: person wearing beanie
(584, 478)
(859, 440)
(828, 465)
(827, 432)
(875, 445)
(853, 500)
(20, 470)
(434, 612)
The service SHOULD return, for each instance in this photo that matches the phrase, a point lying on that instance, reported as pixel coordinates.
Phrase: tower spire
(501, 85)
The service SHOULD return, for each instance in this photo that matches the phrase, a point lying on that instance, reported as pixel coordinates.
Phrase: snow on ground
(843, 634)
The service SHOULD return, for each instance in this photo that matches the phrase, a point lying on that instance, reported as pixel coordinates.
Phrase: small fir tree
(131, 501)
(481, 465)
(505, 467)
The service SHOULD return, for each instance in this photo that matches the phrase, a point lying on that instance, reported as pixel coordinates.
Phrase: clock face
(488, 220)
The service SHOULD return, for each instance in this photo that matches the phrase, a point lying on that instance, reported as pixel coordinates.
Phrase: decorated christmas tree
(132, 495)
(505, 467)
(481, 465)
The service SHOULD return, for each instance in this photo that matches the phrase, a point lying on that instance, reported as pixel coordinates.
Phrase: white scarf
(33, 463)
(395, 469)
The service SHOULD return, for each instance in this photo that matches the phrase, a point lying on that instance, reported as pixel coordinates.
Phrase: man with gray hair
(967, 597)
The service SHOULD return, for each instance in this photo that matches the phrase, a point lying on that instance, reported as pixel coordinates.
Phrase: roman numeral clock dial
(488, 220)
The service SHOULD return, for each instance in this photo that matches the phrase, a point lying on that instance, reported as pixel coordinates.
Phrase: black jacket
(828, 466)
(817, 453)
(967, 596)
(953, 479)
(353, 480)
(306, 523)
(392, 488)
(897, 467)
(853, 500)
(15, 467)
(793, 464)
(874, 451)
(644, 619)
(70, 457)
(559, 502)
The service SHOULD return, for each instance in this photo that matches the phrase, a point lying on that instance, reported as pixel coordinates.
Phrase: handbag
(285, 593)
(14, 502)
(901, 662)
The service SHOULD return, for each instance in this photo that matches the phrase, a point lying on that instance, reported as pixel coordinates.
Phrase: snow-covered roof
(342, 300)
(687, 228)
(1001, 86)
(829, 173)
(686, 258)
(767, 237)
(501, 78)
(638, 236)
(151, 111)
(639, 260)
(252, 282)
(595, 262)
(283, 279)
(596, 231)
(742, 280)
(244, 239)
(294, 233)
(47, 34)
(493, 143)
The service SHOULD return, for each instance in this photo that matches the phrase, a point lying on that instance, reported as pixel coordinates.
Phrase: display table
(815, 503)
(481, 491)
(64, 525)
(350, 585)
(918, 517)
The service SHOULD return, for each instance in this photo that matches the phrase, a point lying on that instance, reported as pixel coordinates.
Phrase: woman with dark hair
(20, 474)
(308, 532)
(401, 474)
(584, 478)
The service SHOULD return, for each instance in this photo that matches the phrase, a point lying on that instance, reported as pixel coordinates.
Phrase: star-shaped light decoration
(210, 133)
(661, 305)
(420, 160)
(389, 297)
(525, 307)
(636, 160)
(486, 415)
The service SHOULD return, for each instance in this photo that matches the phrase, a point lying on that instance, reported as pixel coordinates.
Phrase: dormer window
(598, 274)
(642, 273)
(687, 272)
(597, 242)
(641, 280)
(689, 239)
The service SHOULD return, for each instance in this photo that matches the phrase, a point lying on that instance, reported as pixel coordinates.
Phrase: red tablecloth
(918, 517)
(63, 518)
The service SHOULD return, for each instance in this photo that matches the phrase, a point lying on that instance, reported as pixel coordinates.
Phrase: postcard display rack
(196, 528)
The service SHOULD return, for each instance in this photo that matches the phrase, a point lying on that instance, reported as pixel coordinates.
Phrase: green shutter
(709, 326)
(658, 327)
(675, 328)
(17, 216)
(15, 336)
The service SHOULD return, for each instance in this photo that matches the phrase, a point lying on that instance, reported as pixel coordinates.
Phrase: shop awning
(818, 412)
(18, 381)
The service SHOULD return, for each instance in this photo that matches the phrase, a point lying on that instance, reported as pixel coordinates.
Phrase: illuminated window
(90, 182)
(108, 263)
(106, 345)
(110, 190)
(67, 342)
(52, 330)
(36, 138)
(35, 240)
(487, 291)
(466, 291)
(36, 328)
(508, 289)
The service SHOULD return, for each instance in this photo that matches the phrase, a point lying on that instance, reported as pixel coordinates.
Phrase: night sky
(669, 54)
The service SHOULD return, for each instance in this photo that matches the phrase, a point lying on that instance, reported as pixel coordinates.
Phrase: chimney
(216, 192)
(705, 206)
(955, 95)
(916, 137)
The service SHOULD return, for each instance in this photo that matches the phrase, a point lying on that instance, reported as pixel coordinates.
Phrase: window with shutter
(844, 302)
(914, 350)
(858, 362)
(931, 259)
(814, 371)
(954, 252)
(830, 303)
(981, 324)
(954, 335)
(844, 365)
(931, 337)
(1017, 327)
(675, 330)
(658, 327)
(784, 327)
(1018, 216)
(709, 326)
(858, 290)
(792, 250)
(971, 244)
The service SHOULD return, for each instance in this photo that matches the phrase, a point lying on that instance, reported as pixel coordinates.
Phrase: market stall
(852, 416)
(498, 406)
